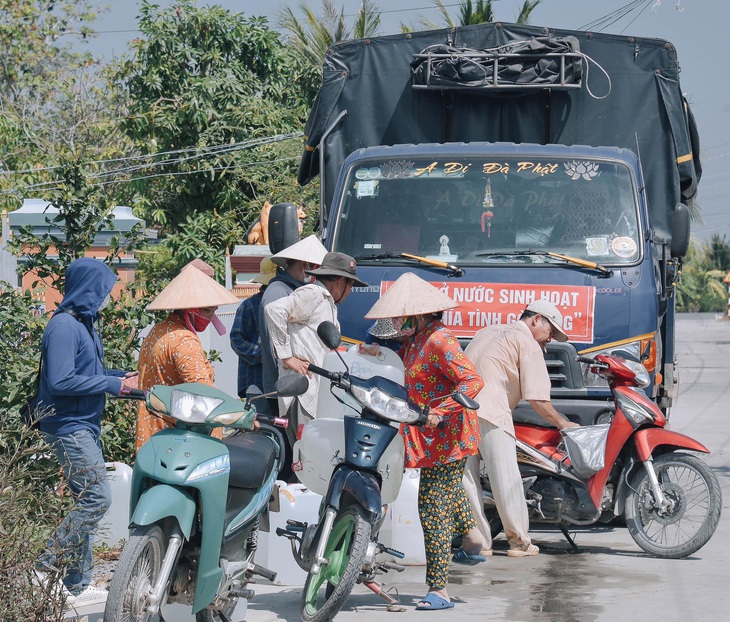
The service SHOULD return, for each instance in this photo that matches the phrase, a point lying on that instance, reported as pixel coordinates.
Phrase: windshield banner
(485, 304)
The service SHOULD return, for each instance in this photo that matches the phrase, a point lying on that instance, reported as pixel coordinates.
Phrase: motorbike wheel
(345, 550)
(696, 500)
(137, 571)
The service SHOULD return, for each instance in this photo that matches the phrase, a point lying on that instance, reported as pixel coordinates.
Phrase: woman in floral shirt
(436, 366)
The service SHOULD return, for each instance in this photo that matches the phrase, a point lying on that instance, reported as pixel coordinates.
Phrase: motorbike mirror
(291, 385)
(465, 401)
(329, 334)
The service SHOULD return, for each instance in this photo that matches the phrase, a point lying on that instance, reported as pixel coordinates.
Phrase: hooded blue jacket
(73, 378)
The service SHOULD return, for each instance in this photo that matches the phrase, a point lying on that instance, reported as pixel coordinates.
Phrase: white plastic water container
(387, 364)
(114, 527)
(296, 502)
(401, 529)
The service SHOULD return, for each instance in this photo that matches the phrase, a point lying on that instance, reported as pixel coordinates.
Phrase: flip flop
(434, 602)
(462, 557)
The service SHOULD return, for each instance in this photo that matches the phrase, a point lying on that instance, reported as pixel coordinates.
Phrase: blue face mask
(105, 303)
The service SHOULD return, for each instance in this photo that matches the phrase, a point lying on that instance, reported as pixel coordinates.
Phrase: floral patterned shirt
(170, 354)
(436, 365)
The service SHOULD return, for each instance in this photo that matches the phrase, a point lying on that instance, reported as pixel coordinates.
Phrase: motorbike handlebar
(127, 393)
(589, 361)
(326, 373)
(278, 422)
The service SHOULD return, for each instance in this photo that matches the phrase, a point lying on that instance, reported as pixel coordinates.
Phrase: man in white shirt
(510, 360)
(292, 322)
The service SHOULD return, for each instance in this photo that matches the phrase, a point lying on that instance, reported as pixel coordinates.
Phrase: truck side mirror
(680, 231)
(283, 226)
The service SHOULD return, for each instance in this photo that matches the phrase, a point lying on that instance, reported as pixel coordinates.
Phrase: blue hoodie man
(72, 396)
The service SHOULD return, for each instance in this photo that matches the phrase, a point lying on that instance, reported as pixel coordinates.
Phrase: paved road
(611, 579)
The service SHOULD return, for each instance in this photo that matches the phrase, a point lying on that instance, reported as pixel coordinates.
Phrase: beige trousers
(499, 452)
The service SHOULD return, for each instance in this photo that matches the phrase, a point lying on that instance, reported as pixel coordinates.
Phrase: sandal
(462, 557)
(433, 601)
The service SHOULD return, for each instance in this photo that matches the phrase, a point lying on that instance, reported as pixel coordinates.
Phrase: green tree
(310, 36)
(700, 288)
(478, 12)
(55, 102)
(210, 91)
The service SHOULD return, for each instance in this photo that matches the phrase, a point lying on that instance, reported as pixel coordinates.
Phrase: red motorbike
(670, 500)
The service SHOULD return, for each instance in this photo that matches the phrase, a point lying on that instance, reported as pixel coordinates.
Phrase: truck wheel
(689, 523)
(345, 551)
(136, 573)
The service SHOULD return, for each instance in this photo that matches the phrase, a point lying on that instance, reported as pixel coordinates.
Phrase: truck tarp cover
(372, 79)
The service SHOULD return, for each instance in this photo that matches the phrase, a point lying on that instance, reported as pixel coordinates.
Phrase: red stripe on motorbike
(647, 440)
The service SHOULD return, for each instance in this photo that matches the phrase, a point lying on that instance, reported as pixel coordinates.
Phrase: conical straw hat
(408, 296)
(191, 289)
(309, 249)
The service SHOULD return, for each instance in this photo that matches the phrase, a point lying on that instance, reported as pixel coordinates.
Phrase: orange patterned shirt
(170, 354)
(436, 365)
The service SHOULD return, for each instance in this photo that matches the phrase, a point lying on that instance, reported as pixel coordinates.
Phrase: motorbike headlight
(634, 412)
(384, 405)
(193, 408)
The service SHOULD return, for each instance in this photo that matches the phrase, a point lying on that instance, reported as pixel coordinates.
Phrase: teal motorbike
(196, 503)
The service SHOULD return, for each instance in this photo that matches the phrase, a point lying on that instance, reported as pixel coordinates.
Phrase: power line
(116, 173)
(199, 152)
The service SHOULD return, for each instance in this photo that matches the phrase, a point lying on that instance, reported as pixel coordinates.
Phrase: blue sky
(697, 28)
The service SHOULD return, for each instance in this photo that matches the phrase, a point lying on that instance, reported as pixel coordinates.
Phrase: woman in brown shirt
(172, 353)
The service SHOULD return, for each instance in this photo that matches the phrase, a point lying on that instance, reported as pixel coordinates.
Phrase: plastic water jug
(401, 529)
(114, 527)
(387, 364)
(274, 552)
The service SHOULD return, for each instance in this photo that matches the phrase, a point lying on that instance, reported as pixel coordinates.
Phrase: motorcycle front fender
(163, 501)
(648, 439)
(362, 486)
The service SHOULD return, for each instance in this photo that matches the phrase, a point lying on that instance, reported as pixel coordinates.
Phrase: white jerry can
(274, 552)
(387, 364)
(401, 529)
(114, 526)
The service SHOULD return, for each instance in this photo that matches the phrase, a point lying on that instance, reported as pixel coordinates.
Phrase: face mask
(200, 323)
(105, 303)
(195, 322)
(408, 327)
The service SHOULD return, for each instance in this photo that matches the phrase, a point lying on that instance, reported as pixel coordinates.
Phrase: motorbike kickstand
(573, 546)
(393, 604)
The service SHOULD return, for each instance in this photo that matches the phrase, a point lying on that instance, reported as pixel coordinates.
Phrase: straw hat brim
(191, 289)
(309, 249)
(409, 296)
(267, 272)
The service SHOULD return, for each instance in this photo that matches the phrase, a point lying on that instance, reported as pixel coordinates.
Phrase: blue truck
(504, 163)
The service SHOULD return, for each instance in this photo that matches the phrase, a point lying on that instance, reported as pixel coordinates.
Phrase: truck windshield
(479, 211)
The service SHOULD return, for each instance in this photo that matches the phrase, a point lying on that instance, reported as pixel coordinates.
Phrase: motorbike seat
(252, 457)
(542, 438)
